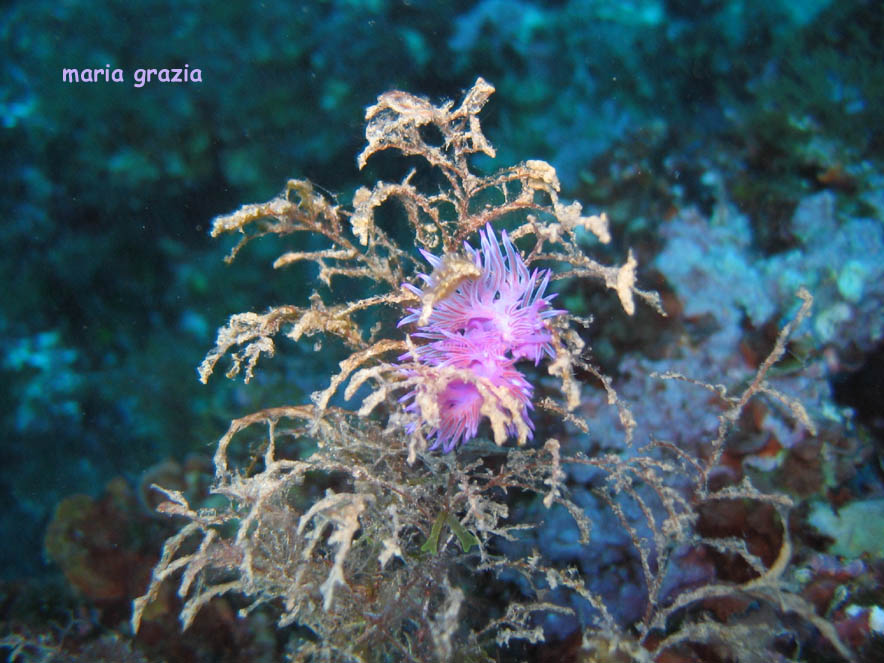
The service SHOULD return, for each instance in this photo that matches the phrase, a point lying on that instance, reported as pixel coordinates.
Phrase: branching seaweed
(349, 526)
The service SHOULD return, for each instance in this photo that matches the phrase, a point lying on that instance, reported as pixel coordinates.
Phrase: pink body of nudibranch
(484, 327)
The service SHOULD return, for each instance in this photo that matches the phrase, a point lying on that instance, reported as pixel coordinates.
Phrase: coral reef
(736, 149)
